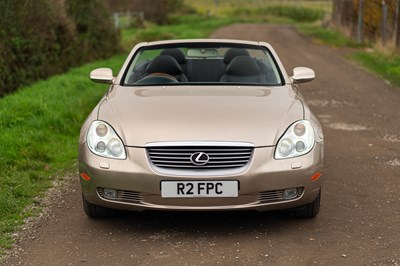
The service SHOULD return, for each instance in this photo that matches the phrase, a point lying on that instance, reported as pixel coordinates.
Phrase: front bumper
(136, 178)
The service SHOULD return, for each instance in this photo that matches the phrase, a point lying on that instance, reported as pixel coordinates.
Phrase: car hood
(259, 115)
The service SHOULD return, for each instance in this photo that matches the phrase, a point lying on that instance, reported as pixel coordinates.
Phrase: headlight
(103, 141)
(297, 140)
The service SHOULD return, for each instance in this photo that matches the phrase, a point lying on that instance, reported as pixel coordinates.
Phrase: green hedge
(40, 38)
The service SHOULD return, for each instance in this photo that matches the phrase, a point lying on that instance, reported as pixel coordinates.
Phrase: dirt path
(359, 223)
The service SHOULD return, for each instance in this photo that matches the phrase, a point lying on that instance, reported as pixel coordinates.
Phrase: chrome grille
(276, 195)
(123, 195)
(220, 157)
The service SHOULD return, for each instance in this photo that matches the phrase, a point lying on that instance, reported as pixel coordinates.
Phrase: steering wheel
(157, 78)
(163, 75)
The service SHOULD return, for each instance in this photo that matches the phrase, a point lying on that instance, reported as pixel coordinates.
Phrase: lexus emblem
(199, 158)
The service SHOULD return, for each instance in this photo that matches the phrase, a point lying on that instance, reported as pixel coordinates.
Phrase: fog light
(110, 193)
(290, 193)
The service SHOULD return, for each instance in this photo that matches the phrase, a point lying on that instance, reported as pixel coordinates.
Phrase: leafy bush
(41, 38)
(96, 33)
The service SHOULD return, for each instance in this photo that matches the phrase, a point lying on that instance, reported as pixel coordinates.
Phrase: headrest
(175, 53)
(164, 64)
(232, 53)
(243, 65)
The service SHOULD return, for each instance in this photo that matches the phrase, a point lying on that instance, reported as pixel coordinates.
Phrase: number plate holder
(199, 189)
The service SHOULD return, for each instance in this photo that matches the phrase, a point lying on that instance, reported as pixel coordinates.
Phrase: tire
(309, 210)
(95, 211)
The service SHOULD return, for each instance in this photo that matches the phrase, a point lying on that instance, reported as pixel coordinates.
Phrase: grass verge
(388, 67)
(293, 13)
(39, 138)
(223, 7)
(327, 36)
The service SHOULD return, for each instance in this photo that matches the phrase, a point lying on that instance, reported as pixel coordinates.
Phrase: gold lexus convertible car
(201, 125)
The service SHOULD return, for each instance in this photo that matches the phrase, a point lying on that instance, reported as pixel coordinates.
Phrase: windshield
(202, 63)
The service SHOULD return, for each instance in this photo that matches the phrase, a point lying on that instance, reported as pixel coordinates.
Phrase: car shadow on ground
(215, 223)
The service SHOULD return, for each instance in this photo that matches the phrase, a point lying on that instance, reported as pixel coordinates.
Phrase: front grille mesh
(220, 158)
(123, 195)
(276, 195)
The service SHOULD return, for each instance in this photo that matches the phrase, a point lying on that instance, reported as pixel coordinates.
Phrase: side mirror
(102, 75)
(302, 74)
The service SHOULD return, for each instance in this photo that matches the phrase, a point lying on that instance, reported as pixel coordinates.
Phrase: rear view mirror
(202, 52)
(302, 74)
(102, 75)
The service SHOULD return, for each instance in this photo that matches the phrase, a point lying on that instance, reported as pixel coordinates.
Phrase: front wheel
(309, 210)
(95, 211)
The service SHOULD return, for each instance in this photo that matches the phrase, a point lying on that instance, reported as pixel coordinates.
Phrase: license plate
(192, 189)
